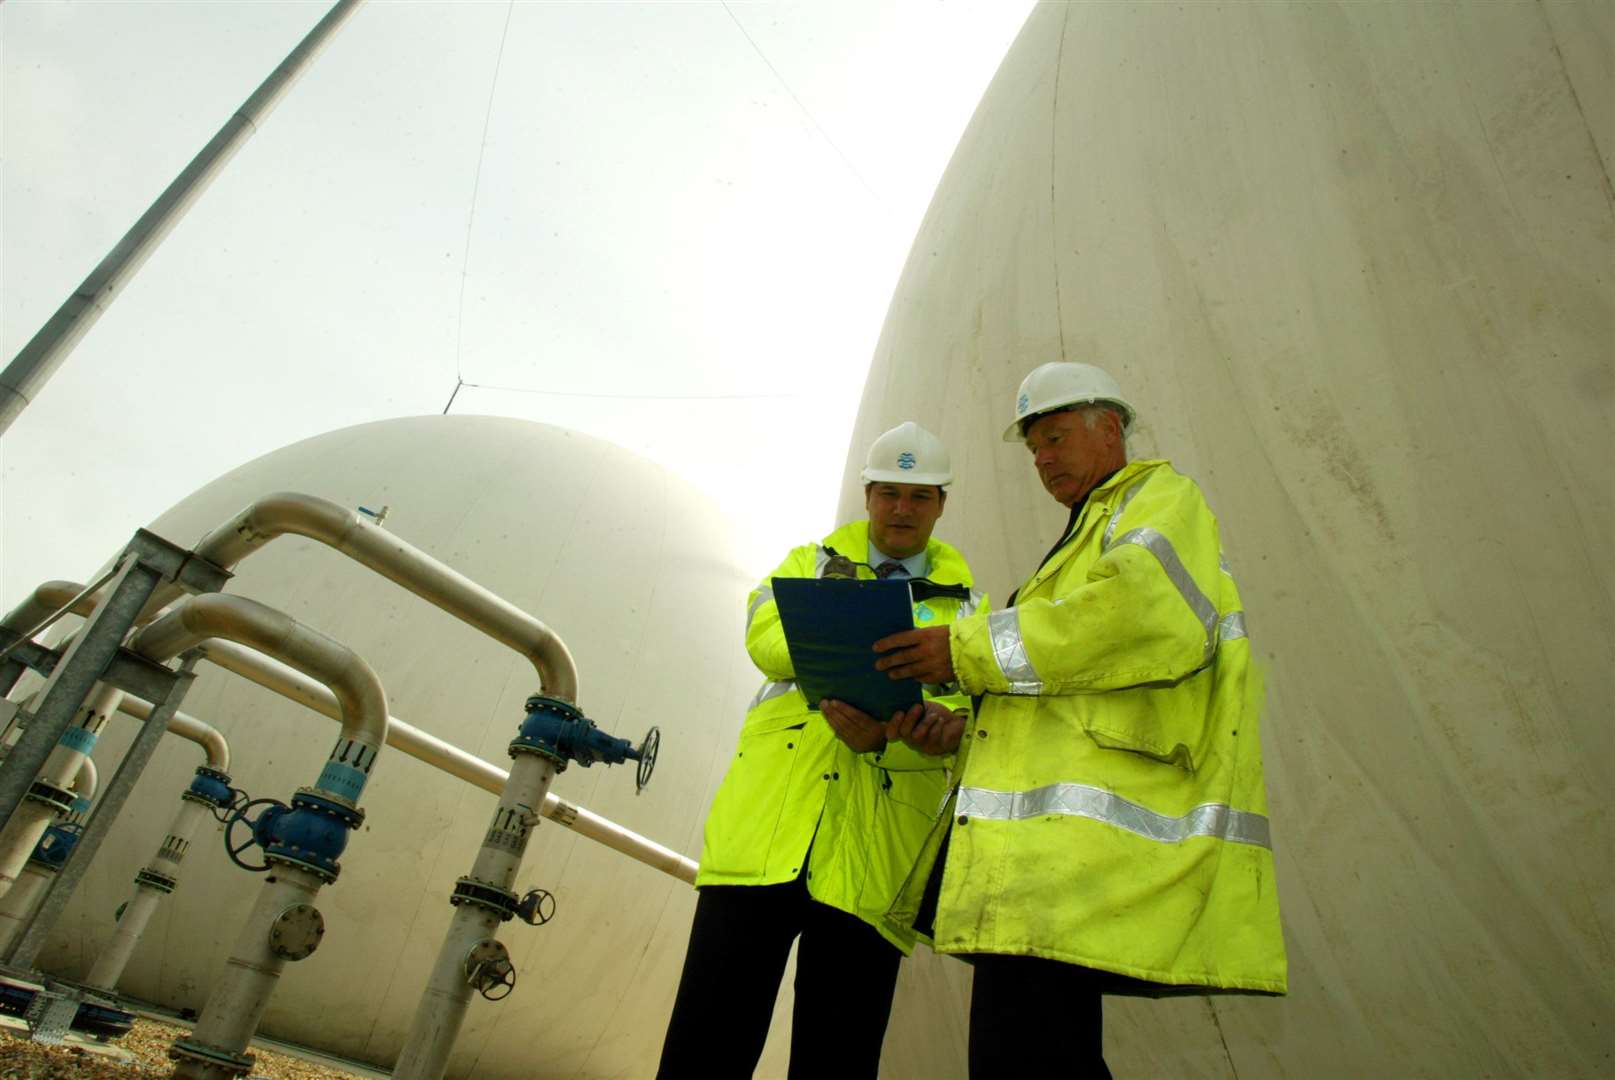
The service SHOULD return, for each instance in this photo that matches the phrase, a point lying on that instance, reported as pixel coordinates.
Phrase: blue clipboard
(831, 626)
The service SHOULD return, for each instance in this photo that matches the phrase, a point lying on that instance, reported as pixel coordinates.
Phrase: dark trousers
(741, 938)
(1035, 1017)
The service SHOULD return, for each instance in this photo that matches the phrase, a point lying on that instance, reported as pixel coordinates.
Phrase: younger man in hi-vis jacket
(819, 820)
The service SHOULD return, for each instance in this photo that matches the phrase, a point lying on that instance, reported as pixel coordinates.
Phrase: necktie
(889, 568)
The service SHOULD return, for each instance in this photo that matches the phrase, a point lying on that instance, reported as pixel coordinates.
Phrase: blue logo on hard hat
(905, 460)
(1020, 406)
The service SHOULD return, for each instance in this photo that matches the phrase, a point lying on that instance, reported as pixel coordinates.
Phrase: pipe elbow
(275, 515)
(44, 600)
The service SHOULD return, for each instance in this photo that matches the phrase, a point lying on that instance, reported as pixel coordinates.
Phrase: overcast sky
(688, 221)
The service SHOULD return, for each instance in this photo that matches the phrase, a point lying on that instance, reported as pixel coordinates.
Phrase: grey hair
(1090, 412)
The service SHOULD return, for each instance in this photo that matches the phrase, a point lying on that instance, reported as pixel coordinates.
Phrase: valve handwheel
(497, 984)
(242, 815)
(647, 758)
(222, 814)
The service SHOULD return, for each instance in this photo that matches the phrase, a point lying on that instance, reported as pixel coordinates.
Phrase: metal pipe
(407, 738)
(156, 880)
(451, 759)
(48, 598)
(470, 947)
(398, 561)
(284, 909)
(17, 905)
(28, 372)
(160, 876)
(411, 740)
(205, 735)
(85, 785)
(358, 692)
(49, 796)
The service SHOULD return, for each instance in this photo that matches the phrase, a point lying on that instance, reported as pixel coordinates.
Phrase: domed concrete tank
(1355, 264)
(633, 570)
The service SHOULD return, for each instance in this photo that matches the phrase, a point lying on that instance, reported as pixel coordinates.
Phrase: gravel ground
(148, 1045)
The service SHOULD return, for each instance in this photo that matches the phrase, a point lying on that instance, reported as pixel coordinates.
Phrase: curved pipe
(205, 735)
(87, 782)
(355, 686)
(449, 758)
(398, 561)
(290, 683)
(45, 601)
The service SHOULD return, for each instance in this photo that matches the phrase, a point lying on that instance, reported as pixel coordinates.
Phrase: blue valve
(56, 845)
(312, 832)
(559, 731)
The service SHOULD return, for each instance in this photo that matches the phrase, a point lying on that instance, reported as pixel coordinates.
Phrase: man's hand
(860, 731)
(929, 728)
(917, 654)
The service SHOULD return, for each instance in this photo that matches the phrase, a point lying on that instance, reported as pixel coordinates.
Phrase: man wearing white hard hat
(1108, 833)
(819, 819)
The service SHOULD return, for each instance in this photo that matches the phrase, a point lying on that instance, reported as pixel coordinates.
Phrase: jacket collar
(948, 567)
(1101, 504)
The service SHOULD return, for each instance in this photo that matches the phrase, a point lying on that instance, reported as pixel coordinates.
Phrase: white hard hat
(908, 454)
(1060, 385)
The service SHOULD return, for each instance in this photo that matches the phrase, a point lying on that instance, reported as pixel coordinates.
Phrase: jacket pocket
(1166, 723)
(746, 812)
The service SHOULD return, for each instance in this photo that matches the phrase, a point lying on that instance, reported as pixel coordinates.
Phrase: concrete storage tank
(633, 570)
(1355, 263)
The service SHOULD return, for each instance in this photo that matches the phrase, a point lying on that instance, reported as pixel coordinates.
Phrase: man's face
(1072, 458)
(901, 516)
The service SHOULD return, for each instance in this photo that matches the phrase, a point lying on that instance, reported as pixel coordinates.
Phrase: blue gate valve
(56, 845)
(559, 731)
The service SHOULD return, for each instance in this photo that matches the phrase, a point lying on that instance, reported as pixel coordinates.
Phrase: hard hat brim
(1013, 432)
(892, 476)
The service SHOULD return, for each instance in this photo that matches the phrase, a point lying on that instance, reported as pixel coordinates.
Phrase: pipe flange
(154, 880)
(488, 970)
(518, 747)
(212, 1056)
(211, 788)
(323, 802)
(545, 716)
(327, 873)
(57, 798)
(501, 902)
(296, 932)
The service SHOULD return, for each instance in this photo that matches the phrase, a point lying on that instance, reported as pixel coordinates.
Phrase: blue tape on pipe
(343, 780)
(77, 738)
(81, 806)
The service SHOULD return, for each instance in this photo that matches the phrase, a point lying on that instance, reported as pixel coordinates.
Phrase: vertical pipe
(215, 1050)
(20, 899)
(74, 677)
(448, 991)
(154, 882)
(33, 366)
(27, 825)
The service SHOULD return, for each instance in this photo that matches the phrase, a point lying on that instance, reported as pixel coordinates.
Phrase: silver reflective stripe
(820, 558)
(1010, 652)
(770, 691)
(1178, 574)
(1127, 497)
(765, 593)
(969, 606)
(1216, 820)
(1232, 626)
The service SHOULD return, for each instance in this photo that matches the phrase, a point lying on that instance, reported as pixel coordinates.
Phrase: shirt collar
(916, 565)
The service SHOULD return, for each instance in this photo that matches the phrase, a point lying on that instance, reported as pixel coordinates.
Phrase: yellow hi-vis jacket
(1110, 810)
(793, 785)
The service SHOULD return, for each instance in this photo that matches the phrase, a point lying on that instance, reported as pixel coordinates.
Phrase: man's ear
(1113, 425)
